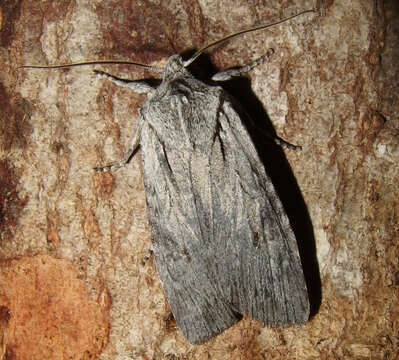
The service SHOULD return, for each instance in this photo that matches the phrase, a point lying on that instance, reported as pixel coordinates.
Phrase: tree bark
(331, 87)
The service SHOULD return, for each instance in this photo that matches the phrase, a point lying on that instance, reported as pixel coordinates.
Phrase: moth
(223, 244)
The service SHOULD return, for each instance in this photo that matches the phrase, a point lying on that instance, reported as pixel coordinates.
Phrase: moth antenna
(61, 66)
(200, 51)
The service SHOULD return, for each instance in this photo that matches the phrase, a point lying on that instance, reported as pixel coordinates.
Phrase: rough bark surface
(331, 87)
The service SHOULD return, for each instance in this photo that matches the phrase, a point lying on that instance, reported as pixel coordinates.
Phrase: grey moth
(223, 243)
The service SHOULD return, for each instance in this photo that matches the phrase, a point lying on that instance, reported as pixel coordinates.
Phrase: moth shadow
(277, 167)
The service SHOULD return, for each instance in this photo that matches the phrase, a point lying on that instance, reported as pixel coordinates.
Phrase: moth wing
(183, 249)
(222, 242)
(266, 277)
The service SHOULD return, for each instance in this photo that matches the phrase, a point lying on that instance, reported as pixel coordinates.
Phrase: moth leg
(231, 73)
(278, 140)
(134, 144)
(147, 256)
(138, 86)
(285, 144)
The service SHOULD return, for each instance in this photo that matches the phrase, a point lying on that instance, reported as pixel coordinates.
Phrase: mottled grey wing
(222, 243)
(267, 276)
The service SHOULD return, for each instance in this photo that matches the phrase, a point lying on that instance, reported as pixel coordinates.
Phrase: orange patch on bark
(50, 313)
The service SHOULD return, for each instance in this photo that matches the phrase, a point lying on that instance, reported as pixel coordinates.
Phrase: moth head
(175, 67)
